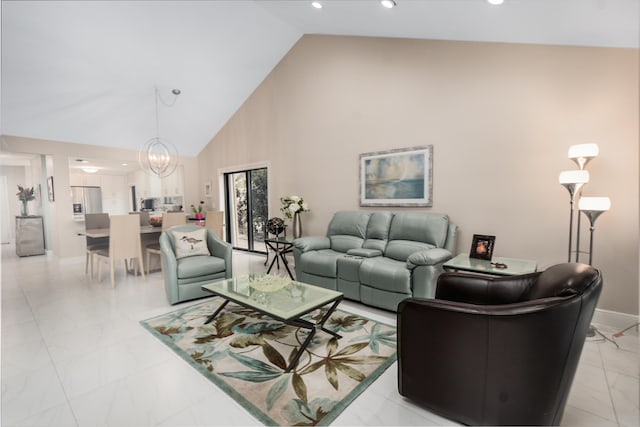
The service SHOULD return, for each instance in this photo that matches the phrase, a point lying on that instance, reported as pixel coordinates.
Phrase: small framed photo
(482, 246)
(208, 189)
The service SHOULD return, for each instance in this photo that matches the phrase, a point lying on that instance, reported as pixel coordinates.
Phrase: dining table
(149, 235)
(104, 232)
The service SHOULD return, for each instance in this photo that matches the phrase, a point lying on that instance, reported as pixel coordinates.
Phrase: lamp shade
(583, 150)
(597, 204)
(574, 177)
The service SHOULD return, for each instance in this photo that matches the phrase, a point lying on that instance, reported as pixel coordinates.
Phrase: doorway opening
(247, 208)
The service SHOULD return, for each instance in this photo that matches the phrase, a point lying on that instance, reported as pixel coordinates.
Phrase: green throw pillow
(190, 243)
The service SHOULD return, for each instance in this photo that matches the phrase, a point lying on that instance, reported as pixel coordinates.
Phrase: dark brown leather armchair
(497, 351)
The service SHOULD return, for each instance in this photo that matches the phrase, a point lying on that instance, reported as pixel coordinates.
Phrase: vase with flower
(198, 211)
(292, 207)
(25, 195)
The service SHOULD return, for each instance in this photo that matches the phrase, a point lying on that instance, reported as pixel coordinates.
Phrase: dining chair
(92, 221)
(169, 219)
(214, 221)
(124, 244)
(144, 218)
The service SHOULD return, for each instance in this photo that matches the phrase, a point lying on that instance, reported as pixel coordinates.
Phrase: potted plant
(25, 195)
(198, 211)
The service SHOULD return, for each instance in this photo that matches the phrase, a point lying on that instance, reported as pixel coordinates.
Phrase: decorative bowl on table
(155, 221)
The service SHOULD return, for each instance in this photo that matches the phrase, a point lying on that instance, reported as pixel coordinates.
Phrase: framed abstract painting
(401, 177)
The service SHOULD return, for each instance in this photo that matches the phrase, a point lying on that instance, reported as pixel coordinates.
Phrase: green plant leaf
(255, 364)
(300, 387)
(276, 391)
(274, 356)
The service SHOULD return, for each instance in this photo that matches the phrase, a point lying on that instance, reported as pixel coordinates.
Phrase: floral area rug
(246, 353)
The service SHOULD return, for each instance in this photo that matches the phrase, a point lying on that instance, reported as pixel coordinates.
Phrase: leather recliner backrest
(563, 280)
(415, 231)
(347, 230)
(378, 230)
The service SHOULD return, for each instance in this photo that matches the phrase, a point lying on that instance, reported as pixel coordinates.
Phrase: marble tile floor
(74, 354)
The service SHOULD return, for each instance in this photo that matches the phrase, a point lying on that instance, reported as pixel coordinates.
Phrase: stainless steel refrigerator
(86, 200)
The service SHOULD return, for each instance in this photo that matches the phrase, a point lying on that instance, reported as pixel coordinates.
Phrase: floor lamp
(573, 182)
(593, 207)
(581, 154)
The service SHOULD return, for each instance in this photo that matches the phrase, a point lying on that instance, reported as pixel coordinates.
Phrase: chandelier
(159, 156)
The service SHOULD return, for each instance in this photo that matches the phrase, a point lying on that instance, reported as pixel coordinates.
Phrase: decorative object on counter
(292, 206)
(156, 221)
(25, 195)
(159, 156)
(198, 211)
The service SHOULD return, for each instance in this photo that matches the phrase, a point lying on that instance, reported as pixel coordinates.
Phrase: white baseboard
(614, 319)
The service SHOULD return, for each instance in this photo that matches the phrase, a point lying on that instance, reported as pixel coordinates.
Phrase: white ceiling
(85, 72)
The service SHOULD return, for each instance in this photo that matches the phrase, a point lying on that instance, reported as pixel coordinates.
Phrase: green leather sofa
(379, 258)
(183, 278)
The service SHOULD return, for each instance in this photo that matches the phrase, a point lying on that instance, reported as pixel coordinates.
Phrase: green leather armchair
(183, 278)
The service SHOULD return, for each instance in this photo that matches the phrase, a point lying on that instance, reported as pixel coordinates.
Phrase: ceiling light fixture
(316, 4)
(90, 169)
(495, 2)
(158, 156)
(389, 4)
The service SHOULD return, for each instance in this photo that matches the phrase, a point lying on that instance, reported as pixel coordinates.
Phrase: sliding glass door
(247, 208)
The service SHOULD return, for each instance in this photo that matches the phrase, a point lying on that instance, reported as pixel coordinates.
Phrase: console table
(514, 266)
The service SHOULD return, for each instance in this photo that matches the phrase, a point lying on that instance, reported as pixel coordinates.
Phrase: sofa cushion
(347, 230)
(400, 250)
(423, 227)
(386, 274)
(343, 243)
(200, 265)
(190, 243)
(378, 231)
(321, 263)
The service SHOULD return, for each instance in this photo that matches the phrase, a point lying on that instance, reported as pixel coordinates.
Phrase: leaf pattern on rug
(248, 352)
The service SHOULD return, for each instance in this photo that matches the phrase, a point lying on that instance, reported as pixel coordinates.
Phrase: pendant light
(159, 156)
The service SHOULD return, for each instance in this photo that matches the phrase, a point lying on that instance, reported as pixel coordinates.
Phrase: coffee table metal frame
(295, 320)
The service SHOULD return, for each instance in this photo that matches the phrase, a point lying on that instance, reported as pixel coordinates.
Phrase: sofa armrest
(221, 249)
(364, 253)
(312, 243)
(169, 269)
(429, 257)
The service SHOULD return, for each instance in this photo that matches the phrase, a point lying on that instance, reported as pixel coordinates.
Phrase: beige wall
(501, 118)
(62, 229)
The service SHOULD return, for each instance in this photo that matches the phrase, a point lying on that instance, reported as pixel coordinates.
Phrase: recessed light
(495, 2)
(316, 4)
(124, 164)
(90, 169)
(389, 4)
(82, 161)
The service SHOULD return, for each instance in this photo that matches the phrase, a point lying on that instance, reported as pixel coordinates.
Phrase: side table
(280, 246)
(514, 266)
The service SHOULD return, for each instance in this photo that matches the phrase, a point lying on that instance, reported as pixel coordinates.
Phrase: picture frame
(399, 177)
(482, 246)
(208, 191)
(50, 190)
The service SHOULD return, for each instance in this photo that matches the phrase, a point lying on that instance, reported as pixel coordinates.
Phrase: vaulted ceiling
(86, 71)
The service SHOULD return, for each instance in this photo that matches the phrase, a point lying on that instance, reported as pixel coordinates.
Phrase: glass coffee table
(278, 297)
